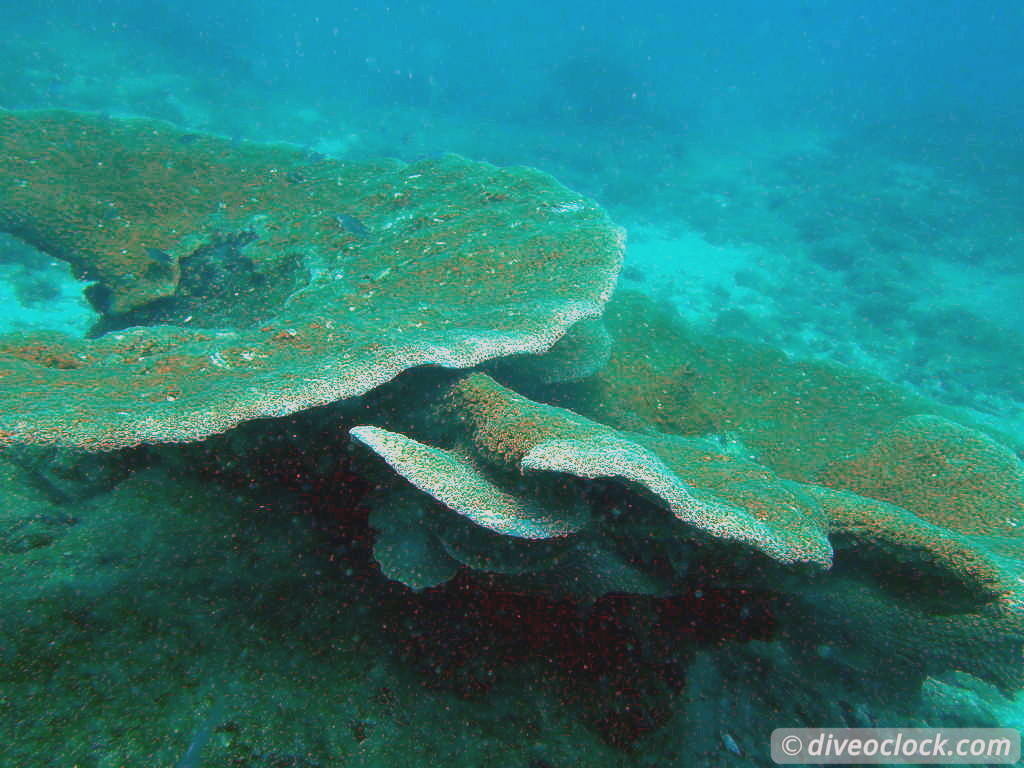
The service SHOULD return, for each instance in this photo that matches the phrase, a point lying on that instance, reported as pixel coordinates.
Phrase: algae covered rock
(175, 622)
(246, 281)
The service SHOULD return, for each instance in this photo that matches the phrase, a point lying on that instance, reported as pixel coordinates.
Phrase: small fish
(160, 266)
(351, 224)
(730, 744)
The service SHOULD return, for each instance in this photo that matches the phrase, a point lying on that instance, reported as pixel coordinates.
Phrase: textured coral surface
(286, 281)
(912, 521)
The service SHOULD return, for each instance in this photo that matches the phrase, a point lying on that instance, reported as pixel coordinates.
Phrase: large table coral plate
(241, 281)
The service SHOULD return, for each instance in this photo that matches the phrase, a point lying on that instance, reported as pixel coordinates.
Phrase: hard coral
(452, 263)
(882, 526)
(520, 468)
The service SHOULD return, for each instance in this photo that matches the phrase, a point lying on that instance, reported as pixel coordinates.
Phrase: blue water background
(938, 73)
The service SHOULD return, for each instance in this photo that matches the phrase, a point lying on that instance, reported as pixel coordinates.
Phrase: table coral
(914, 538)
(839, 519)
(796, 416)
(519, 470)
(259, 281)
(718, 495)
(947, 473)
(460, 485)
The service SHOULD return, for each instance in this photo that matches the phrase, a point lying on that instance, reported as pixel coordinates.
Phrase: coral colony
(528, 472)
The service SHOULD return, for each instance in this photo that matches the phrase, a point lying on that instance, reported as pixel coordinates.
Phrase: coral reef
(796, 416)
(522, 445)
(615, 520)
(894, 570)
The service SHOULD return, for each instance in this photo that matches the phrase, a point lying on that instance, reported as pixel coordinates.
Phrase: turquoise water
(835, 188)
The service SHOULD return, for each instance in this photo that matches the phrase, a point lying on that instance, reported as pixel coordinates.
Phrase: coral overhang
(387, 266)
